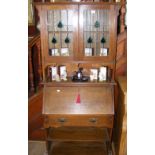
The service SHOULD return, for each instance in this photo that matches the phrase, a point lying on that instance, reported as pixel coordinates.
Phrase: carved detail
(34, 71)
(30, 68)
(38, 44)
(122, 18)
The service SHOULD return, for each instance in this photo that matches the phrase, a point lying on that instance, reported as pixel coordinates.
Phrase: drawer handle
(62, 120)
(93, 120)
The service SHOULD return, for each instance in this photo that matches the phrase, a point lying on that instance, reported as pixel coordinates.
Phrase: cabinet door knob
(62, 120)
(93, 120)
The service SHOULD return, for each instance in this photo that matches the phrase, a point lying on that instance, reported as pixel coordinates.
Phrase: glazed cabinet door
(59, 32)
(97, 32)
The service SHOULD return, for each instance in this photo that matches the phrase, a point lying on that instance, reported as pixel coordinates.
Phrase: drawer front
(78, 134)
(83, 121)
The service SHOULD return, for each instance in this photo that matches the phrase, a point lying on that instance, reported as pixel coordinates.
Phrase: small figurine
(64, 76)
(78, 76)
(94, 73)
(57, 78)
(53, 72)
(100, 76)
(91, 76)
(103, 74)
(63, 72)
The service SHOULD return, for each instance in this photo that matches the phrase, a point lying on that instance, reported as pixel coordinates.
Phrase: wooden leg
(109, 148)
(45, 153)
(48, 142)
(110, 133)
(48, 147)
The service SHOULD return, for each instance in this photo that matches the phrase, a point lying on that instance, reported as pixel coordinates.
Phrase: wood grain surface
(62, 100)
(78, 134)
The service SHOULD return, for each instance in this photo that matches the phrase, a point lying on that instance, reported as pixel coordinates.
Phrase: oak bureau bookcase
(74, 35)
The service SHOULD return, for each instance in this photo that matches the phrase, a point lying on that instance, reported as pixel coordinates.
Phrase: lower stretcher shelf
(79, 148)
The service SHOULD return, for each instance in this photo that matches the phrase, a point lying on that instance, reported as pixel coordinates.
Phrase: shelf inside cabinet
(60, 31)
(95, 31)
(70, 83)
(76, 148)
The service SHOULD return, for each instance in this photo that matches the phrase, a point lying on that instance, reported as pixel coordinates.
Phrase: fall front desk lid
(78, 100)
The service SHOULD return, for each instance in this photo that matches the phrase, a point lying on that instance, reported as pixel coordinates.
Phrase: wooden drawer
(79, 121)
(77, 134)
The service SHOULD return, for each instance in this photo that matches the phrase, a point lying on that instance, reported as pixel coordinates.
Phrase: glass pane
(96, 32)
(60, 32)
